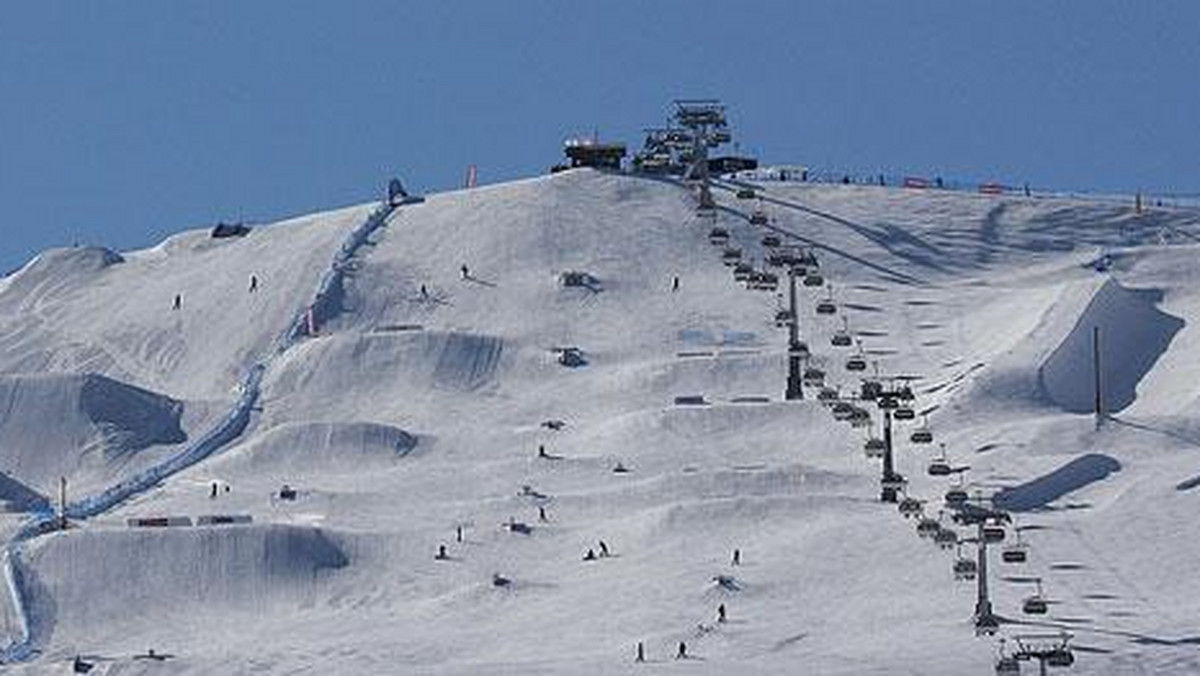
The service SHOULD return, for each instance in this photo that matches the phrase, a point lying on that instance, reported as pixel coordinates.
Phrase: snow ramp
(1133, 332)
(319, 448)
(55, 425)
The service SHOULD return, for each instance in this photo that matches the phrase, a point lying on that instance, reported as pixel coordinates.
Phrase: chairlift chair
(1036, 604)
(856, 363)
(813, 376)
(842, 410)
(800, 349)
(841, 337)
(870, 390)
(808, 259)
(946, 538)
(718, 236)
(887, 402)
(1060, 657)
(813, 278)
(764, 281)
(965, 568)
(904, 413)
(860, 417)
(1006, 664)
(783, 318)
(1016, 552)
(922, 435)
(759, 217)
(940, 466)
(828, 394)
(910, 507)
(993, 533)
(771, 240)
(956, 497)
(731, 255)
(746, 194)
(928, 526)
(742, 271)
(874, 447)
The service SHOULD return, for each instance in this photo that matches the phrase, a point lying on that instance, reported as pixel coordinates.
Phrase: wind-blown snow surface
(416, 412)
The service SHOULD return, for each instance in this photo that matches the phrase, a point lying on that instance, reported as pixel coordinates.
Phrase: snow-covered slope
(418, 412)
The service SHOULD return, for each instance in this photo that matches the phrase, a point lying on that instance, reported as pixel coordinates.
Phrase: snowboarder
(441, 553)
(675, 283)
(641, 652)
(213, 492)
(681, 654)
(937, 181)
(721, 613)
(458, 533)
(1027, 193)
(542, 514)
(178, 302)
(603, 549)
(424, 292)
(253, 283)
(590, 556)
(620, 468)
(466, 272)
(737, 557)
(542, 451)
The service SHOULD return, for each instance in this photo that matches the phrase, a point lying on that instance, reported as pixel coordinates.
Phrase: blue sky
(121, 123)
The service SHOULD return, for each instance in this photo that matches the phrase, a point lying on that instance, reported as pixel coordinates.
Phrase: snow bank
(1133, 334)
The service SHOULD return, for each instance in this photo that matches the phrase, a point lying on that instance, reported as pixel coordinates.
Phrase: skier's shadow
(475, 280)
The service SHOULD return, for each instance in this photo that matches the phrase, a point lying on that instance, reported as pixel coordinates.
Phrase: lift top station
(592, 153)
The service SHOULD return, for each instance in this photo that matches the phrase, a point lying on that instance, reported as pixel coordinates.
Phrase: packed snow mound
(1134, 333)
(56, 425)
(294, 449)
(55, 268)
(89, 580)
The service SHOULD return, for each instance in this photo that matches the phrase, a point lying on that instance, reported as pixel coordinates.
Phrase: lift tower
(796, 349)
(705, 119)
(892, 481)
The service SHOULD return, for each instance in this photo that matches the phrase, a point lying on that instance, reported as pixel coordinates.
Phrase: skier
(424, 292)
(178, 302)
(542, 451)
(675, 283)
(253, 283)
(603, 549)
(938, 182)
(466, 272)
(721, 613)
(458, 533)
(737, 557)
(441, 553)
(681, 654)
(542, 514)
(641, 652)
(213, 492)
(590, 556)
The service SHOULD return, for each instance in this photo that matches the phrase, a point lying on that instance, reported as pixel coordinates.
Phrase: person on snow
(178, 302)
(603, 549)
(542, 451)
(253, 283)
(466, 272)
(737, 557)
(721, 613)
(675, 283)
(681, 654)
(542, 514)
(213, 492)
(641, 652)
(441, 553)
(590, 556)
(458, 533)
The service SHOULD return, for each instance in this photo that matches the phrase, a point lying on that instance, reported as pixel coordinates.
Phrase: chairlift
(1036, 604)
(940, 466)
(813, 278)
(827, 306)
(856, 363)
(904, 413)
(842, 410)
(893, 483)
(813, 376)
(800, 349)
(910, 507)
(956, 497)
(808, 259)
(1006, 664)
(718, 236)
(783, 318)
(763, 281)
(906, 393)
(1060, 657)
(1016, 552)
(874, 447)
(860, 417)
(759, 217)
(771, 240)
(993, 533)
(945, 538)
(887, 402)
(928, 526)
(841, 338)
(828, 394)
(746, 194)
(742, 271)
(870, 390)
(922, 435)
(731, 255)
(965, 568)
